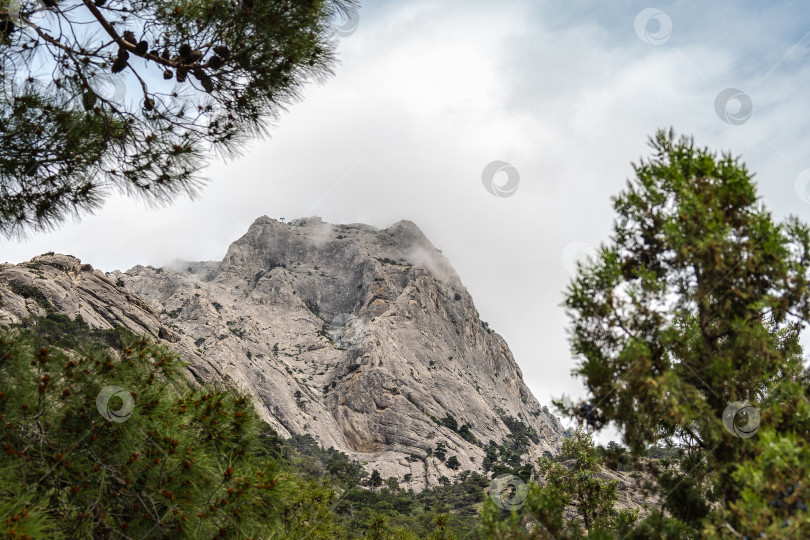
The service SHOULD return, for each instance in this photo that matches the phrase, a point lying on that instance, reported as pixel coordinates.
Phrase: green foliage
(614, 456)
(773, 483)
(577, 482)
(467, 435)
(237, 332)
(657, 525)
(441, 450)
(319, 492)
(375, 480)
(186, 463)
(696, 302)
(206, 74)
(509, 457)
(683, 487)
(450, 422)
(62, 331)
(573, 481)
(693, 262)
(30, 291)
(356, 506)
(506, 458)
(521, 434)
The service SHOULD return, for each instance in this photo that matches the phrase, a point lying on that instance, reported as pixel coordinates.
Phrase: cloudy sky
(430, 92)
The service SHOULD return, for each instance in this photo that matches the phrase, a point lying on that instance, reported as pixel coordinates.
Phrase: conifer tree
(691, 310)
(134, 95)
(100, 443)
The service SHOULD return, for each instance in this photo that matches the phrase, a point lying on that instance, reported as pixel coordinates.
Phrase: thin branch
(131, 47)
(695, 437)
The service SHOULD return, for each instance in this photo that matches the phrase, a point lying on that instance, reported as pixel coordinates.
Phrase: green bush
(30, 291)
(184, 464)
(62, 331)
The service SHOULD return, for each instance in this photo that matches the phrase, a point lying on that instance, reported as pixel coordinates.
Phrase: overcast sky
(430, 92)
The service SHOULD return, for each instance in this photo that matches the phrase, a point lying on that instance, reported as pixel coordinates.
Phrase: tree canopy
(695, 305)
(105, 441)
(133, 95)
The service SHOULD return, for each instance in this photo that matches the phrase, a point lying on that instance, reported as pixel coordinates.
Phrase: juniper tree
(133, 95)
(695, 303)
(571, 481)
(580, 484)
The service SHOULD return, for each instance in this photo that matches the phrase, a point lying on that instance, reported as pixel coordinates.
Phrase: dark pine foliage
(133, 95)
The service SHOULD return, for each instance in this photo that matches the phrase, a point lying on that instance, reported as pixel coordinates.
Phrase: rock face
(364, 338)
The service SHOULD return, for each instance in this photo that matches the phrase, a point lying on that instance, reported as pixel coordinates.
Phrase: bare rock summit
(364, 338)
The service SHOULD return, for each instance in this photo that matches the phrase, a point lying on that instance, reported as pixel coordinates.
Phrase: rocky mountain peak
(364, 338)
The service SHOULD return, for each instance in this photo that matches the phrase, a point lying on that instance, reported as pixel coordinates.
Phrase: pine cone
(207, 83)
(141, 48)
(215, 62)
(222, 51)
(119, 65)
